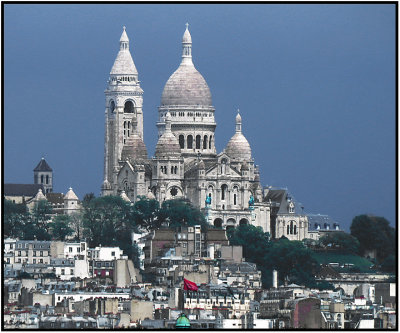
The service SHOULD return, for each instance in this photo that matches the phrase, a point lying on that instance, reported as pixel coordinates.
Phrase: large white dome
(186, 86)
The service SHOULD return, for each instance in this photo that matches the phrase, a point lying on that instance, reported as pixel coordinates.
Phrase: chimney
(274, 278)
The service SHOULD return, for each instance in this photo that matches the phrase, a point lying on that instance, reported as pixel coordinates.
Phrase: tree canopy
(291, 259)
(374, 232)
(340, 241)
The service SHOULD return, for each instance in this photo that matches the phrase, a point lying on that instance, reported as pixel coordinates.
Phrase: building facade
(225, 186)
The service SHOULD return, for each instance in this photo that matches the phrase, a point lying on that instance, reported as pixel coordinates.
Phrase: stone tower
(43, 174)
(124, 102)
(187, 98)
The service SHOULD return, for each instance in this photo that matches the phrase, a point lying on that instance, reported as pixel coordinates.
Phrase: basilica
(224, 185)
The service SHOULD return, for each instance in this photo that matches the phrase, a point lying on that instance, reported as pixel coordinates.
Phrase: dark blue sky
(315, 85)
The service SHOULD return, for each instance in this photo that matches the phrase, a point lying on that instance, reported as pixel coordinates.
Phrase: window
(113, 253)
(72, 271)
(42, 179)
(198, 139)
(41, 261)
(205, 142)
(190, 142)
(62, 271)
(19, 253)
(34, 261)
(34, 253)
(209, 142)
(112, 106)
(129, 107)
(41, 253)
(70, 249)
(224, 188)
(182, 141)
(47, 179)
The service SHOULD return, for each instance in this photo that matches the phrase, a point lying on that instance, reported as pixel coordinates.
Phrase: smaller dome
(40, 195)
(182, 321)
(134, 148)
(238, 147)
(168, 145)
(70, 195)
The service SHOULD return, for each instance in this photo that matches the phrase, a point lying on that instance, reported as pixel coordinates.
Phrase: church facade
(225, 185)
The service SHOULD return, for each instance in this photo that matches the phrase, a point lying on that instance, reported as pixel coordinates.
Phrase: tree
(389, 264)
(145, 212)
(14, 218)
(76, 223)
(253, 240)
(61, 227)
(179, 213)
(374, 232)
(292, 260)
(41, 214)
(341, 241)
(109, 221)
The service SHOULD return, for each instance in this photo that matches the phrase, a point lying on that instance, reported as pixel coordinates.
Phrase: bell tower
(124, 102)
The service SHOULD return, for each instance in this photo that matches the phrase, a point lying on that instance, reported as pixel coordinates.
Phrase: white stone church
(225, 186)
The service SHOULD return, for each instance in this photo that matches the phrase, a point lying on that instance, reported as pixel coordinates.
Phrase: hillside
(331, 257)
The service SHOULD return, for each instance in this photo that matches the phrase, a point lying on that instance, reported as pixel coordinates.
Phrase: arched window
(129, 107)
(198, 138)
(190, 142)
(42, 179)
(234, 199)
(218, 223)
(294, 230)
(205, 142)
(182, 141)
(176, 170)
(172, 170)
(287, 229)
(224, 189)
(209, 142)
(243, 221)
(112, 106)
(47, 179)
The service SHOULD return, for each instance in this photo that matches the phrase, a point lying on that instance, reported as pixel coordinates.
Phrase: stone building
(225, 185)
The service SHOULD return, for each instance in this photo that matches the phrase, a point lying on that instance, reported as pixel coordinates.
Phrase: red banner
(189, 285)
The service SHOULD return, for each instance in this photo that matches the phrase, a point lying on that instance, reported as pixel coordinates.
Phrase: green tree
(41, 214)
(292, 260)
(341, 241)
(254, 240)
(15, 216)
(180, 212)
(374, 232)
(145, 212)
(109, 221)
(389, 264)
(61, 227)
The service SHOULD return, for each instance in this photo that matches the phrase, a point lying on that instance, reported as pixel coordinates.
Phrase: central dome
(186, 86)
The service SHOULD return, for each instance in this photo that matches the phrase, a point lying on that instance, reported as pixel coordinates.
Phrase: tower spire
(238, 122)
(187, 45)
(124, 40)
